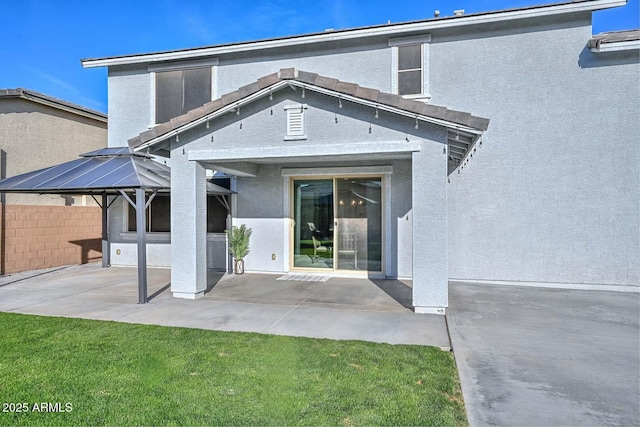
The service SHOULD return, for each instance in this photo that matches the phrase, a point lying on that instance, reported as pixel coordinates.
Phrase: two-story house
(492, 147)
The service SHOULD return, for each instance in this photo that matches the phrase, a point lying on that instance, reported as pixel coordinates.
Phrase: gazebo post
(106, 250)
(141, 228)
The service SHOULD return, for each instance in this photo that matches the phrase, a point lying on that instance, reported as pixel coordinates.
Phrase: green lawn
(121, 374)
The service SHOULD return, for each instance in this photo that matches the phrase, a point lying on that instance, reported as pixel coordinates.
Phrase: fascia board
(341, 149)
(66, 108)
(617, 46)
(395, 30)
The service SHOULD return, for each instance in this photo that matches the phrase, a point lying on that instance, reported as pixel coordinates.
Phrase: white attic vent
(295, 122)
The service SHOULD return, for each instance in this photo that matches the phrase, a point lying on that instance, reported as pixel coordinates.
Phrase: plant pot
(238, 266)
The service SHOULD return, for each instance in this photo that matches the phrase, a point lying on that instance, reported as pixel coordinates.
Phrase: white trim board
(342, 171)
(617, 46)
(276, 152)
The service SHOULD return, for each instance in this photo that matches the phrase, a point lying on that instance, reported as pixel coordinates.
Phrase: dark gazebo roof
(103, 171)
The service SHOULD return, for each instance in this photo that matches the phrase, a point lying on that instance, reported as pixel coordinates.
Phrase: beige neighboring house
(40, 231)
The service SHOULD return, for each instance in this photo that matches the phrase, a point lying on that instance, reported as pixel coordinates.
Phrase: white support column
(188, 228)
(429, 196)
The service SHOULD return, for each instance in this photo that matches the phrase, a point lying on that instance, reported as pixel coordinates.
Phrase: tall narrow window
(410, 66)
(410, 69)
(178, 91)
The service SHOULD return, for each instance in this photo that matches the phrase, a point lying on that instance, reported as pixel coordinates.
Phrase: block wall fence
(34, 237)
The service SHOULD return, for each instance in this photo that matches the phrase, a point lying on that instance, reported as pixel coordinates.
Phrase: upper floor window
(410, 69)
(178, 91)
(410, 66)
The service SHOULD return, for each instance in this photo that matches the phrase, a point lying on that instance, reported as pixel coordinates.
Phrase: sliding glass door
(359, 224)
(347, 237)
(313, 219)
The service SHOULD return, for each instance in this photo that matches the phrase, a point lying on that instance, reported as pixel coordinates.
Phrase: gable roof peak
(314, 82)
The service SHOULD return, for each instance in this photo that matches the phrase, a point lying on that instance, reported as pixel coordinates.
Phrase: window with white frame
(410, 63)
(410, 69)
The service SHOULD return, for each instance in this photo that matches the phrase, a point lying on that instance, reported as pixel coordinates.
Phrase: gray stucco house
(495, 147)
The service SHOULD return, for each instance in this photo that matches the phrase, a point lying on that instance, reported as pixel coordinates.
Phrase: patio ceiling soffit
(241, 155)
(462, 126)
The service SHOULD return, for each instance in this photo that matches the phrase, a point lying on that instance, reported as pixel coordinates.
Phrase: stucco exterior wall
(552, 194)
(129, 104)
(36, 136)
(345, 63)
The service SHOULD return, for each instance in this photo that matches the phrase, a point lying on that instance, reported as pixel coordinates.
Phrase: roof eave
(49, 101)
(616, 46)
(384, 30)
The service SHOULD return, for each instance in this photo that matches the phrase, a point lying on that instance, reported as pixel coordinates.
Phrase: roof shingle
(614, 37)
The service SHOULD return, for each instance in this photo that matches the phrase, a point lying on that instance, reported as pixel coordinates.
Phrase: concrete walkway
(353, 309)
(546, 357)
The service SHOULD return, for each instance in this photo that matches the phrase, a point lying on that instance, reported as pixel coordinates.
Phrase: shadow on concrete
(158, 292)
(213, 278)
(399, 291)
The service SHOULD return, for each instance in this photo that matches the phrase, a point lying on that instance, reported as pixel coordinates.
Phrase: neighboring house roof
(285, 77)
(106, 170)
(32, 95)
(615, 40)
(373, 30)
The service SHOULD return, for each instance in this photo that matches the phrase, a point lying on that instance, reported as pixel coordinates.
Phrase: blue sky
(44, 40)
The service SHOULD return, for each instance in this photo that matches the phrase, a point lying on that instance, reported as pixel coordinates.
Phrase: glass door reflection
(313, 223)
(359, 224)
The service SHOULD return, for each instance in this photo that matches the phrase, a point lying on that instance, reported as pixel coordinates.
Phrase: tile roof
(60, 104)
(614, 37)
(312, 80)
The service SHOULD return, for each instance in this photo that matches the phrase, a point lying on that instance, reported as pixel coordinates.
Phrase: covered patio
(338, 308)
(332, 177)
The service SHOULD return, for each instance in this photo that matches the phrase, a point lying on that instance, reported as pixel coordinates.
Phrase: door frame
(383, 172)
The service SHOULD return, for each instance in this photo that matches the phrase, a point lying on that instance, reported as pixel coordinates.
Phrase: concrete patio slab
(546, 357)
(366, 294)
(354, 309)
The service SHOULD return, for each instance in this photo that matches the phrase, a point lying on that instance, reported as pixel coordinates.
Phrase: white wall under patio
(261, 205)
(159, 254)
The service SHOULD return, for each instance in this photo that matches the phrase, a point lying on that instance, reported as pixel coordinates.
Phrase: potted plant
(238, 246)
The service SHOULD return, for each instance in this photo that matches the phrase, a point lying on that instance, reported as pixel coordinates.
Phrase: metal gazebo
(107, 172)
